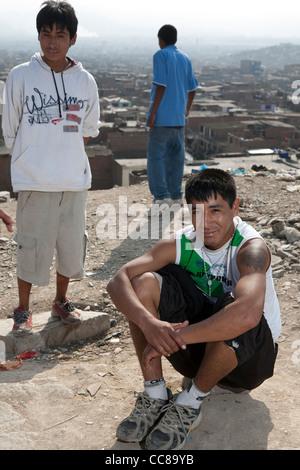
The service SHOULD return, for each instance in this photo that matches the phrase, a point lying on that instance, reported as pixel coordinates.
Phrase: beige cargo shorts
(50, 223)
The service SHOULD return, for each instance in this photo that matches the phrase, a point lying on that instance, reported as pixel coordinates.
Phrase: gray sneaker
(178, 201)
(158, 206)
(174, 427)
(146, 412)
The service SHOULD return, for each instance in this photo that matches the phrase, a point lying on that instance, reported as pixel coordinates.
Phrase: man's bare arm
(159, 94)
(190, 99)
(245, 312)
(158, 333)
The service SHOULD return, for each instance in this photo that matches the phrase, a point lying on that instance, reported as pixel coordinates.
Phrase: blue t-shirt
(172, 69)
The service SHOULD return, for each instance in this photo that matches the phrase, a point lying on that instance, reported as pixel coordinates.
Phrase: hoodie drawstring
(58, 97)
(63, 84)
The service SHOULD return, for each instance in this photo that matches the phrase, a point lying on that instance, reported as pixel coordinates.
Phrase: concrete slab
(124, 166)
(51, 332)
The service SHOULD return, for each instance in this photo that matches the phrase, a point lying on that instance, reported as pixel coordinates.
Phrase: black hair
(210, 182)
(56, 12)
(168, 34)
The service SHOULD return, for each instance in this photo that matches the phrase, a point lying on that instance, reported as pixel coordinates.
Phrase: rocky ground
(73, 397)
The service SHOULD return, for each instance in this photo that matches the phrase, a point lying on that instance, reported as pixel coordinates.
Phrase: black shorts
(255, 350)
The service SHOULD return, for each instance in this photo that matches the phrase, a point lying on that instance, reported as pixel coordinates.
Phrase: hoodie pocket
(51, 167)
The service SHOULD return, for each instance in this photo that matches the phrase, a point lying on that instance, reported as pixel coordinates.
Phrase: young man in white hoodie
(51, 109)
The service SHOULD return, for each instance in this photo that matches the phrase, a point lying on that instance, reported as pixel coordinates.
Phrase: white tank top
(215, 271)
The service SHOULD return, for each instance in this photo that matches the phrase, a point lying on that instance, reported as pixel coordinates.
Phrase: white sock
(156, 388)
(191, 396)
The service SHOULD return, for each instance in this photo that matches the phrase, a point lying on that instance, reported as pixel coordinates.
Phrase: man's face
(213, 220)
(55, 43)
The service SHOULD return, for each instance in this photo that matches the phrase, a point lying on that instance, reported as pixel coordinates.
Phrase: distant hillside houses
(243, 102)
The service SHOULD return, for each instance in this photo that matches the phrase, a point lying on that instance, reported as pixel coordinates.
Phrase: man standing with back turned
(172, 94)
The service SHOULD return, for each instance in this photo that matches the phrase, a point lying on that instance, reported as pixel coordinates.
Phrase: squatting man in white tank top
(205, 300)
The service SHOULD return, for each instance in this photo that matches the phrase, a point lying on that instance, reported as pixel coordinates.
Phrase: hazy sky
(263, 18)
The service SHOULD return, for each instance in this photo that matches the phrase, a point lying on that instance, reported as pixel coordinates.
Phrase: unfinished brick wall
(5, 181)
(101, 167)
(128, 144)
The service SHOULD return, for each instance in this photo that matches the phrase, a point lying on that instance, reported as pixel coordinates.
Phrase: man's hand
(7, 220)
(171, 342)
(163, 336)
(151, 119)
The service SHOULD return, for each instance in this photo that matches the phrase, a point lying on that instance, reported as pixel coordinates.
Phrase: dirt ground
(74, 397)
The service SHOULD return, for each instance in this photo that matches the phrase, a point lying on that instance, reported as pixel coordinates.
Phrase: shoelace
(142, 402)
(68, 306)
(175, 411)
(21, 316)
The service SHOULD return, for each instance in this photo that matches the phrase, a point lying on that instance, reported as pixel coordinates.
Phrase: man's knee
(220, 349)
(146, 287)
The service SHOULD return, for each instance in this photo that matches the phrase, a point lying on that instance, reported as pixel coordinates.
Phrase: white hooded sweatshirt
(45, 117)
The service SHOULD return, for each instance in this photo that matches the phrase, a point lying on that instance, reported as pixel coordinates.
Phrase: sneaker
(65, 311)
(174, 427)
(158, 206)
(178, 201)
(145, 414)
(22, 321)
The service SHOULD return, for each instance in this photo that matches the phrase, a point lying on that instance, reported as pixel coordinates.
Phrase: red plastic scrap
(26, 355)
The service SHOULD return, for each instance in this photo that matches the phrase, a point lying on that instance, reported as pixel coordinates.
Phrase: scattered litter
(202, 167)
(60, 422)
(259, 168)
(94, 273)
(93, 389)
(26, 355)
(10, 365)
(115, 333)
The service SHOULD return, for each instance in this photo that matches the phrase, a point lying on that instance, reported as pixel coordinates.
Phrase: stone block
(51, 332)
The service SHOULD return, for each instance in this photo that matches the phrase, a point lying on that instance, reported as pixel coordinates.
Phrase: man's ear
(236, 206)
(73, 40)
(161, 43)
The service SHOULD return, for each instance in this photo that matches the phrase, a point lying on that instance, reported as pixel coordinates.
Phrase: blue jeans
(165, 162)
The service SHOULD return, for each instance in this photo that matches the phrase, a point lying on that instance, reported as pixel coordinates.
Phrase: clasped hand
(163, 340)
